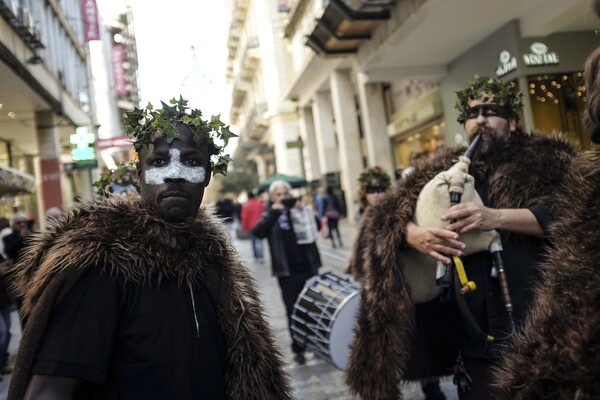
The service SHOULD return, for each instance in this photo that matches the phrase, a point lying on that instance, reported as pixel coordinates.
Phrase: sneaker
(300, 359)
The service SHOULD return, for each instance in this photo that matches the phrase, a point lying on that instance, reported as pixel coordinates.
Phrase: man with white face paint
(142, 296)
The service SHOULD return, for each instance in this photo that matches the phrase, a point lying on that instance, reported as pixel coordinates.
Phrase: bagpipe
(427, 281)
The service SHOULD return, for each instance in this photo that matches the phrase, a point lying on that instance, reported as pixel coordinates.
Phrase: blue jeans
(4, 334)
(257, 247)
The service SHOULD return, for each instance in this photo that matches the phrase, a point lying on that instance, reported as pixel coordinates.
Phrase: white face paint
(174, 170)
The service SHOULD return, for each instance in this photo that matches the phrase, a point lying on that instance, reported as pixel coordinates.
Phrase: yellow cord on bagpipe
(467, 285)
(462, 275)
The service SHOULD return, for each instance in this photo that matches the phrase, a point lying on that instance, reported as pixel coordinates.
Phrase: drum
(325, 315)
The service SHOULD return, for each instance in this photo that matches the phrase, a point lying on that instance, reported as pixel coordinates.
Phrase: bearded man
(516, 175)
(142, 296)
(557, 354)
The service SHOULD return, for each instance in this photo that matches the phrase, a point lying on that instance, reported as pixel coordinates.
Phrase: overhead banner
(91, 20)
(118, 59)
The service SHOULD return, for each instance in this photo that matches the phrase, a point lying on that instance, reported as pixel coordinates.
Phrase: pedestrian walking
(397, 340)
(225, 209)
(141, 296)
(290, 228)
(251, 213)
(332, 213)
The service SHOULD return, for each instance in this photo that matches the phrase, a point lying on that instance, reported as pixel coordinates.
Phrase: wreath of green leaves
(142, 125)
(375, 173)
(125, 174)
(505, 94)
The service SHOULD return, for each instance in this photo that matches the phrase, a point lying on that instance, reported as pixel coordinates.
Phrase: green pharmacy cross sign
(83, 140)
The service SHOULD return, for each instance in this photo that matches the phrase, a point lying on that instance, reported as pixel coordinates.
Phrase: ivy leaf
(141, 125)
(226, 134)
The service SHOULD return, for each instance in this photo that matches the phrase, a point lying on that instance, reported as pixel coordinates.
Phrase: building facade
(45, 96)
(258, 69)
(54, 101)
(374, 81)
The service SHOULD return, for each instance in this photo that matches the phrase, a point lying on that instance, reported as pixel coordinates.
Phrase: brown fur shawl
(558, 353)
(523, 171)
(125, 238)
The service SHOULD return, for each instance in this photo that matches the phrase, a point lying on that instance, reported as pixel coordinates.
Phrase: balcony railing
(250, 58)
(256, 125)
(19, 20)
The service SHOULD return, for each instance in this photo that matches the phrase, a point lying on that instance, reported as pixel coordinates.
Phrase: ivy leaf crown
(374, 173)
(143, 124)
(124, 174)
(504, 94)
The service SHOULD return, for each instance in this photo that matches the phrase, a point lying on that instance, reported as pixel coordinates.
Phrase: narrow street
(317, 379)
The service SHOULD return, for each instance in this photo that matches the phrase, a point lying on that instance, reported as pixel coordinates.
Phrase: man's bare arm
(49, 387)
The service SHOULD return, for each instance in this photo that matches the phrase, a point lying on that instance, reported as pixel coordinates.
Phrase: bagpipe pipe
(427, 283)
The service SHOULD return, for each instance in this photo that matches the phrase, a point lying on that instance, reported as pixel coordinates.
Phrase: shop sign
(416, 115)
(507, 63)
(91, 28)
(117, 141)
(118, 64)
(83, 139)
(540, 55)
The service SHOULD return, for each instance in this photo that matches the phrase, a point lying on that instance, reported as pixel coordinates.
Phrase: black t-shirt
(133, 341)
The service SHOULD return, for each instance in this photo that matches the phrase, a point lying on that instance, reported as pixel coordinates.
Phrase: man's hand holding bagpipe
(471, 216)
(435, 242)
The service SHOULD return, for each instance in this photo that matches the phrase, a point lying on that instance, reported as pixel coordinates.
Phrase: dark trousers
(480, 371)
(4, 334)
(332, 225)
(291, 286)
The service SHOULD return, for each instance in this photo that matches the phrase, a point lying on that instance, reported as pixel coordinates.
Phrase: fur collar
(125, 237)
(556, 355)
(523, 171)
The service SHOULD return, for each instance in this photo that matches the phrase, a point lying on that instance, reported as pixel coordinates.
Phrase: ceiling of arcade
(18, 104)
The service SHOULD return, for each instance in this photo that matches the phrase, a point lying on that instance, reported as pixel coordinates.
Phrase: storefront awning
(15, 182)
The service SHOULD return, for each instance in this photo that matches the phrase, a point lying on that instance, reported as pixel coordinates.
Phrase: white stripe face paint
(174, 170)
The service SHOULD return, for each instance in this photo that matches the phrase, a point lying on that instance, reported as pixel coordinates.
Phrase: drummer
(397, 341)
(291, 230)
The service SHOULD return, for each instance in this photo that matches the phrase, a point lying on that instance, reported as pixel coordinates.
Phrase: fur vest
(130, 242)
(521, 172)
(558, 353)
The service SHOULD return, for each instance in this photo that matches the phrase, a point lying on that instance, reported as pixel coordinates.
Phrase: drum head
(342, 331)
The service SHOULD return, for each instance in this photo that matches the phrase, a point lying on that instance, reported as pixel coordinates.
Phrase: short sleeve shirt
(133, 341)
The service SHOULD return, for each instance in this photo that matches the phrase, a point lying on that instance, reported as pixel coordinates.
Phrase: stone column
(49, 150)
(309, 139)
(325, 134)
(346, 124)
(378, 146)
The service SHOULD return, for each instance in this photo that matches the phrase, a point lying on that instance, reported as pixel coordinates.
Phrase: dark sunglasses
(488, 110)
(375, 189)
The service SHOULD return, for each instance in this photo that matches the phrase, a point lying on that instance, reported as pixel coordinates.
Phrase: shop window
(557, 104)
(419, 144)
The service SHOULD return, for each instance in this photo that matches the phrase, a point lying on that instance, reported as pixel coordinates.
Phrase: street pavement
(316, 379)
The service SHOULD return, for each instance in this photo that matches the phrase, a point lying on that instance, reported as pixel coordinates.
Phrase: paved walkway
(317, 379)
